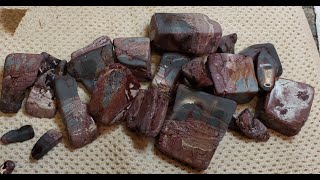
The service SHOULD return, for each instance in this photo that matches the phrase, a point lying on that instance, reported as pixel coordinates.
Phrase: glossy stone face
(251, 127)
(192, 33)
(227, 43)
(20, 72)
(233, 76)
(46, 142)
(88, 62)
(49, 62)
(169, 72)
(147, 112)
(287, 106)
(196, 73)
(134, 53)
(7, 167)
(22, 134)
(114, 90)
(195, 127)
(81, 127)
(41, 101)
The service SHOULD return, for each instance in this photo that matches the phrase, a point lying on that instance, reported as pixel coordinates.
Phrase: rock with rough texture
(287, 106)
(147, 112)
(7, 167)
(192, 33)
(79, 124)
(22, 134)
(195, 127)
(196, 73)
(251, 127)
(135, 53)
(233, 76)
(41, 101)
(46, 142)
(49, 62)
(86, 63)
(227, 43)
(20, 72)
(61, 68)
(112, 96)
(169, 72)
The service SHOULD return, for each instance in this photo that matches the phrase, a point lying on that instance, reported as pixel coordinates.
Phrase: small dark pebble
(18, 135)
(7, 167)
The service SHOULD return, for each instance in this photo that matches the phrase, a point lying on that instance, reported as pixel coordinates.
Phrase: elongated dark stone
(169, 72)
(81, 128)
(192, 33)
(135, 53)
(88, 62)
(41, 101)
(46, 142)
(227, 43)
(196, 73)
(20, 72)
(61, 68)
(112, 96)
(22, 134)
(287, 106)
(233, 76)
(7, 167)
(49, 62)
(147, 112)
(195, 127)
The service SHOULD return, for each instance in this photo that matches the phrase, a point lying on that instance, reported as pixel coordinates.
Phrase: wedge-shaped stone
(227, 43)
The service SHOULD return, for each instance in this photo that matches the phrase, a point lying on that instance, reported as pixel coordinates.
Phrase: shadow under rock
(11, 18)
(139, 140)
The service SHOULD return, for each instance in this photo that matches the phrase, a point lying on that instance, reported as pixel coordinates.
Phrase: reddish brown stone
(287, 106)
(49, 62)
(61, 68)
(134, 53)
(20, 72)
(114, 90)
(7, 167)
(227, 43)
(233, 76)
(192, 33)
(147, 112)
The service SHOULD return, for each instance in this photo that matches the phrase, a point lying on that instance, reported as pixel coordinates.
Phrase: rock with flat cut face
(195, 127)
(227, 43)
(86, 63)
(233, 76)
(80, 126)
(147, 112)
(134, 53)
(20, 72)
(112, 96)
(192, 33)
(287, 106)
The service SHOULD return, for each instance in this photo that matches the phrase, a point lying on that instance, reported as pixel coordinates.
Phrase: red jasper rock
(192, 33)
(134, 53)
(287, 106)
(233, 76)
(7, 167)
(147, 112)
(49, 62)
(196, 73)
(20, 72)
(227, 43)
(115, 88)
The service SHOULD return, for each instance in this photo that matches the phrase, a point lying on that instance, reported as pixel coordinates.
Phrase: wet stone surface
(135, 53)
(20, 72)
(22, 134)
(112, 96)
(192, 33)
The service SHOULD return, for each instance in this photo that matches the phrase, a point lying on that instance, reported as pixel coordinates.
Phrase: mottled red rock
(134, 53)
(80, 126)
(41, 101)
(192, 33)
(22, 134)
(233, 76)
(7, 167)
(115, 88)
(287, 106)
(49, 62)
(147, 112)
(46, 142)
(20, 72)
(227, 43)
(195, 127)
(196, 73)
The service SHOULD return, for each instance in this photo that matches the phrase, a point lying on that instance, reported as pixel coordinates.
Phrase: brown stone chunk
(147, 112)
(115, 88)
(134, 53)
(287, 106)
(7, 167)
(20, 72)
(227, 43)
(61, 68)
(49, 62)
